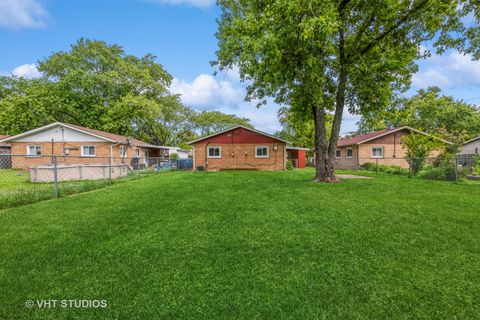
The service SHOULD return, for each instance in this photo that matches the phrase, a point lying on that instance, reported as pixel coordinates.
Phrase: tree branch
(393, 28)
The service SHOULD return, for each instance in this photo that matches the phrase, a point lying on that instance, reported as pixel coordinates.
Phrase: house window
(377, 152)
(261, 152)
(123, 151)
(137, 153)
(339, 153)
(34, 150)
(214, 152)
(349, 153)
(88, 151)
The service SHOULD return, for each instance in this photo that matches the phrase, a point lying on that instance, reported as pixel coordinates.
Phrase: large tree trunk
(325, 150)
(324, 164)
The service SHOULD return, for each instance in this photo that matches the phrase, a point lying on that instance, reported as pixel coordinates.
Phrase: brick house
(239, 147)
(383, 147)
(73, 144)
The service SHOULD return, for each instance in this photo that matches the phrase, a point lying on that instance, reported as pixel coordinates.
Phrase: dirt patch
(351, 176)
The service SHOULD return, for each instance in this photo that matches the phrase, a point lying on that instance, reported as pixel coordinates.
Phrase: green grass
(16, 188)
(249, 245)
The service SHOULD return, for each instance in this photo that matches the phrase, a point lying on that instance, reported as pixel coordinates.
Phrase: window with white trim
(349, 153)
(136, 153)
(261, 152)
(123, 151)
(214, 152)
(377, 152)
(338, 153)
(34, 150)
(89, 151)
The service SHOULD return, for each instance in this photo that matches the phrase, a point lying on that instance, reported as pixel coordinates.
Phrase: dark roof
(236, 127)
(361, 138)
(112, 136)
(377, 134)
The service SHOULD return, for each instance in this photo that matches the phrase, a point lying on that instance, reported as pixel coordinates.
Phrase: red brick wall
(238, 152)
(240, 156)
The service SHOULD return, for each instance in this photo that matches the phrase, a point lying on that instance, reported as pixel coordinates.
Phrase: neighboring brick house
(239, 147)
(383, 147)
(73, 144)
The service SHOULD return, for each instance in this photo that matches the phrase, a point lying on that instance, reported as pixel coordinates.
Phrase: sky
(181, 33)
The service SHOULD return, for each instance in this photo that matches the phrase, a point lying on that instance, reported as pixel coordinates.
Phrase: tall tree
(95, 78)
(461, 30)
(321, 56)
(298, 128)
(208, 122)
(431, 112)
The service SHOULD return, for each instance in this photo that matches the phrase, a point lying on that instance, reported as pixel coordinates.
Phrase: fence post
(157, 169)
(55, 177)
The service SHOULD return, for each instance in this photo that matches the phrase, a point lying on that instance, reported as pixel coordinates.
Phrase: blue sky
(181, 34)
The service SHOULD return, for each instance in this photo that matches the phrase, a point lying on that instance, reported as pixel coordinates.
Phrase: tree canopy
(429, 111)
(99, 86)
(321, 57)
(208, 122)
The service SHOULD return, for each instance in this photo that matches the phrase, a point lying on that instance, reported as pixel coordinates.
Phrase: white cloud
(233, 73)
(206, 92)
(17, 14)
(452, 70)
(194, 3)
(28, 71)
(430, 77)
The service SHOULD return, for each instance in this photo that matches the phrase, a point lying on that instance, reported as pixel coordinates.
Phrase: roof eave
(466, 142)
(51, 125)
(233, 128)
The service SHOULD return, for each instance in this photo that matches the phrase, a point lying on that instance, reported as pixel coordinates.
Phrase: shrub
(476, 164)
(418, 148)
(445, 171)
(174, 156)
(289, 165)
(369, 166)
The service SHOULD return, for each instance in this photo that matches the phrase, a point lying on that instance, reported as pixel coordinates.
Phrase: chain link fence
(27, 179)
(451, 168)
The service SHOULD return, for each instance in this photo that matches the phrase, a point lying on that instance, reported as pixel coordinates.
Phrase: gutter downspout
(206, 155)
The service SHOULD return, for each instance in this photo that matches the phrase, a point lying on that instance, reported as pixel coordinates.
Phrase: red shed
(298, 156)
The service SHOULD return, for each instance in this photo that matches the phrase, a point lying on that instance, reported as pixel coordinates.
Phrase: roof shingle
(359, 139)
(112, 136)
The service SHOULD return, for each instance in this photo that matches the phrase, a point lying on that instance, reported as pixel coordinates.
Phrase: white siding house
(471, 146)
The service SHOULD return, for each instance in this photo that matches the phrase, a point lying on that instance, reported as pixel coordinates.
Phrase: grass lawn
(16, 188)
(250, 245)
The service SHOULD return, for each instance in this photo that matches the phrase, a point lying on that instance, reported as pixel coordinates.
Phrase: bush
(289, 165)
(174, 156)
(445, 171)
(476, 164)
(369, 166)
